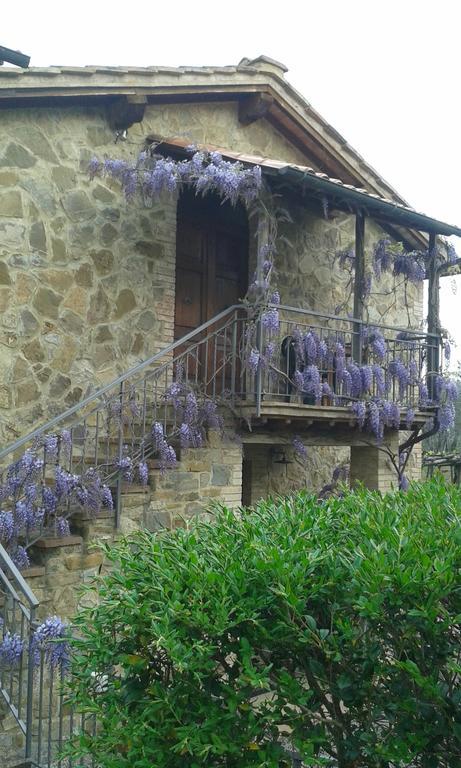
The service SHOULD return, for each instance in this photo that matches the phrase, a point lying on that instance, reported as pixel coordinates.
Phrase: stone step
(34, 572)
(57, 542)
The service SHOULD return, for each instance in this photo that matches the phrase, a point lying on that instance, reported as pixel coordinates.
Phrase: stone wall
(87, 279)
(270, 476)
(309, 274)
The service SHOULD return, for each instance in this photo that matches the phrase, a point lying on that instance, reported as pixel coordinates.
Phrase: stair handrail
(62, 417)
(99, 393)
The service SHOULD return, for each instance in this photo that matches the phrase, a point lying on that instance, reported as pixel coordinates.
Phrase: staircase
(148, 451)
(59, 565)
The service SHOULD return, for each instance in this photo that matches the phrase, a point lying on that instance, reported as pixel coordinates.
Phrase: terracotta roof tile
(279, 165)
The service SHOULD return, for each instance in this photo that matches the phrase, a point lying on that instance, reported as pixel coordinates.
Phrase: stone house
(103, 300)
(91, 285)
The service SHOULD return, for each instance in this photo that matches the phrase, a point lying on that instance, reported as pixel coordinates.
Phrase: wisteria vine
(152, 175)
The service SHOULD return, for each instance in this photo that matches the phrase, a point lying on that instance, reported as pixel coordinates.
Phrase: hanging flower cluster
(392, 257)
(30, 502)
(50, 642)
(11, 649)
(152, 175)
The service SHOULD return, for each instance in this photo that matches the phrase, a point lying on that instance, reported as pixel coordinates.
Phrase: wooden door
(211, 272)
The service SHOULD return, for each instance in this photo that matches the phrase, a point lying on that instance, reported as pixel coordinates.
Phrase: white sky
(384, 74)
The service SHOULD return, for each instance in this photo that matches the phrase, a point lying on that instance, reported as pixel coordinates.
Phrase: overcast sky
(385, 74)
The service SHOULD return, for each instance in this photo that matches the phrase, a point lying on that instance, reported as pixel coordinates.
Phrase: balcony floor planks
(299, 413)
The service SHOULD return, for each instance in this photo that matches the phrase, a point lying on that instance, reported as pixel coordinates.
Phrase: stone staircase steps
(61, 566)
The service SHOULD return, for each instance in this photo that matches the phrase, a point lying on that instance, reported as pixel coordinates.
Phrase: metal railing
(32, 690)
(116, 421)
(273, 381)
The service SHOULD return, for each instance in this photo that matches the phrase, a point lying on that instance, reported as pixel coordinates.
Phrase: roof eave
(384, 210)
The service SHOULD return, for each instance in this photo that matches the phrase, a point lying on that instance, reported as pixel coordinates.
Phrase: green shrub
(332, 627)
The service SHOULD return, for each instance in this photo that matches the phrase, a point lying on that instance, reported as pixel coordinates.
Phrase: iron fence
(32, 688)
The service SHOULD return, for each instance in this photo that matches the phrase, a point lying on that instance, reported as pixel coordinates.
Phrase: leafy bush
(332, 628)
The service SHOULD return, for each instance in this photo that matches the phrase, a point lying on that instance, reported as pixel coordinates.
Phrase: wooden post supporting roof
(359, 281)
(433, 313)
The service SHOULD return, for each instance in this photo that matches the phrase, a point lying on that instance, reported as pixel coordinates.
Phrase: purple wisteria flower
(355, 378)
(327, 390)
(65, 482)
(452, 256)
(266, 265)
(191, 409)
(50, 641)
(143, 472)
(20, 558)
(271, 321)
(378, 345)
(380, 383)
(157, 433)
(446, 416)
(382, 257)
(254, 359)
(312, 382)
(413, 372)
(62, 527)
(51, 444)
(373, 420)
(299, 448)
(190, 436)
(410, 417)
(49, 500)
(323, 351)
(447, 352)
(94, 167)
(173, 394)
(154, 175)
(339, 357)
(400, 373)
(125, 464)
(423, 394)
(310, 342)
(360, 411)
(11, 648)
(66, 442)
(366, 285)
(210, 415)
(395, 416)
(106, 497)
(410, 265)
(6, 526)
(166, 452)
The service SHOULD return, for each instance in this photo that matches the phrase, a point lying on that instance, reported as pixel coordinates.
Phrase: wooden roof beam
(254, 107)
(125, 111)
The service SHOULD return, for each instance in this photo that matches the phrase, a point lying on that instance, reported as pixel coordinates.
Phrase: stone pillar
(371, 465)
(414, 468)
